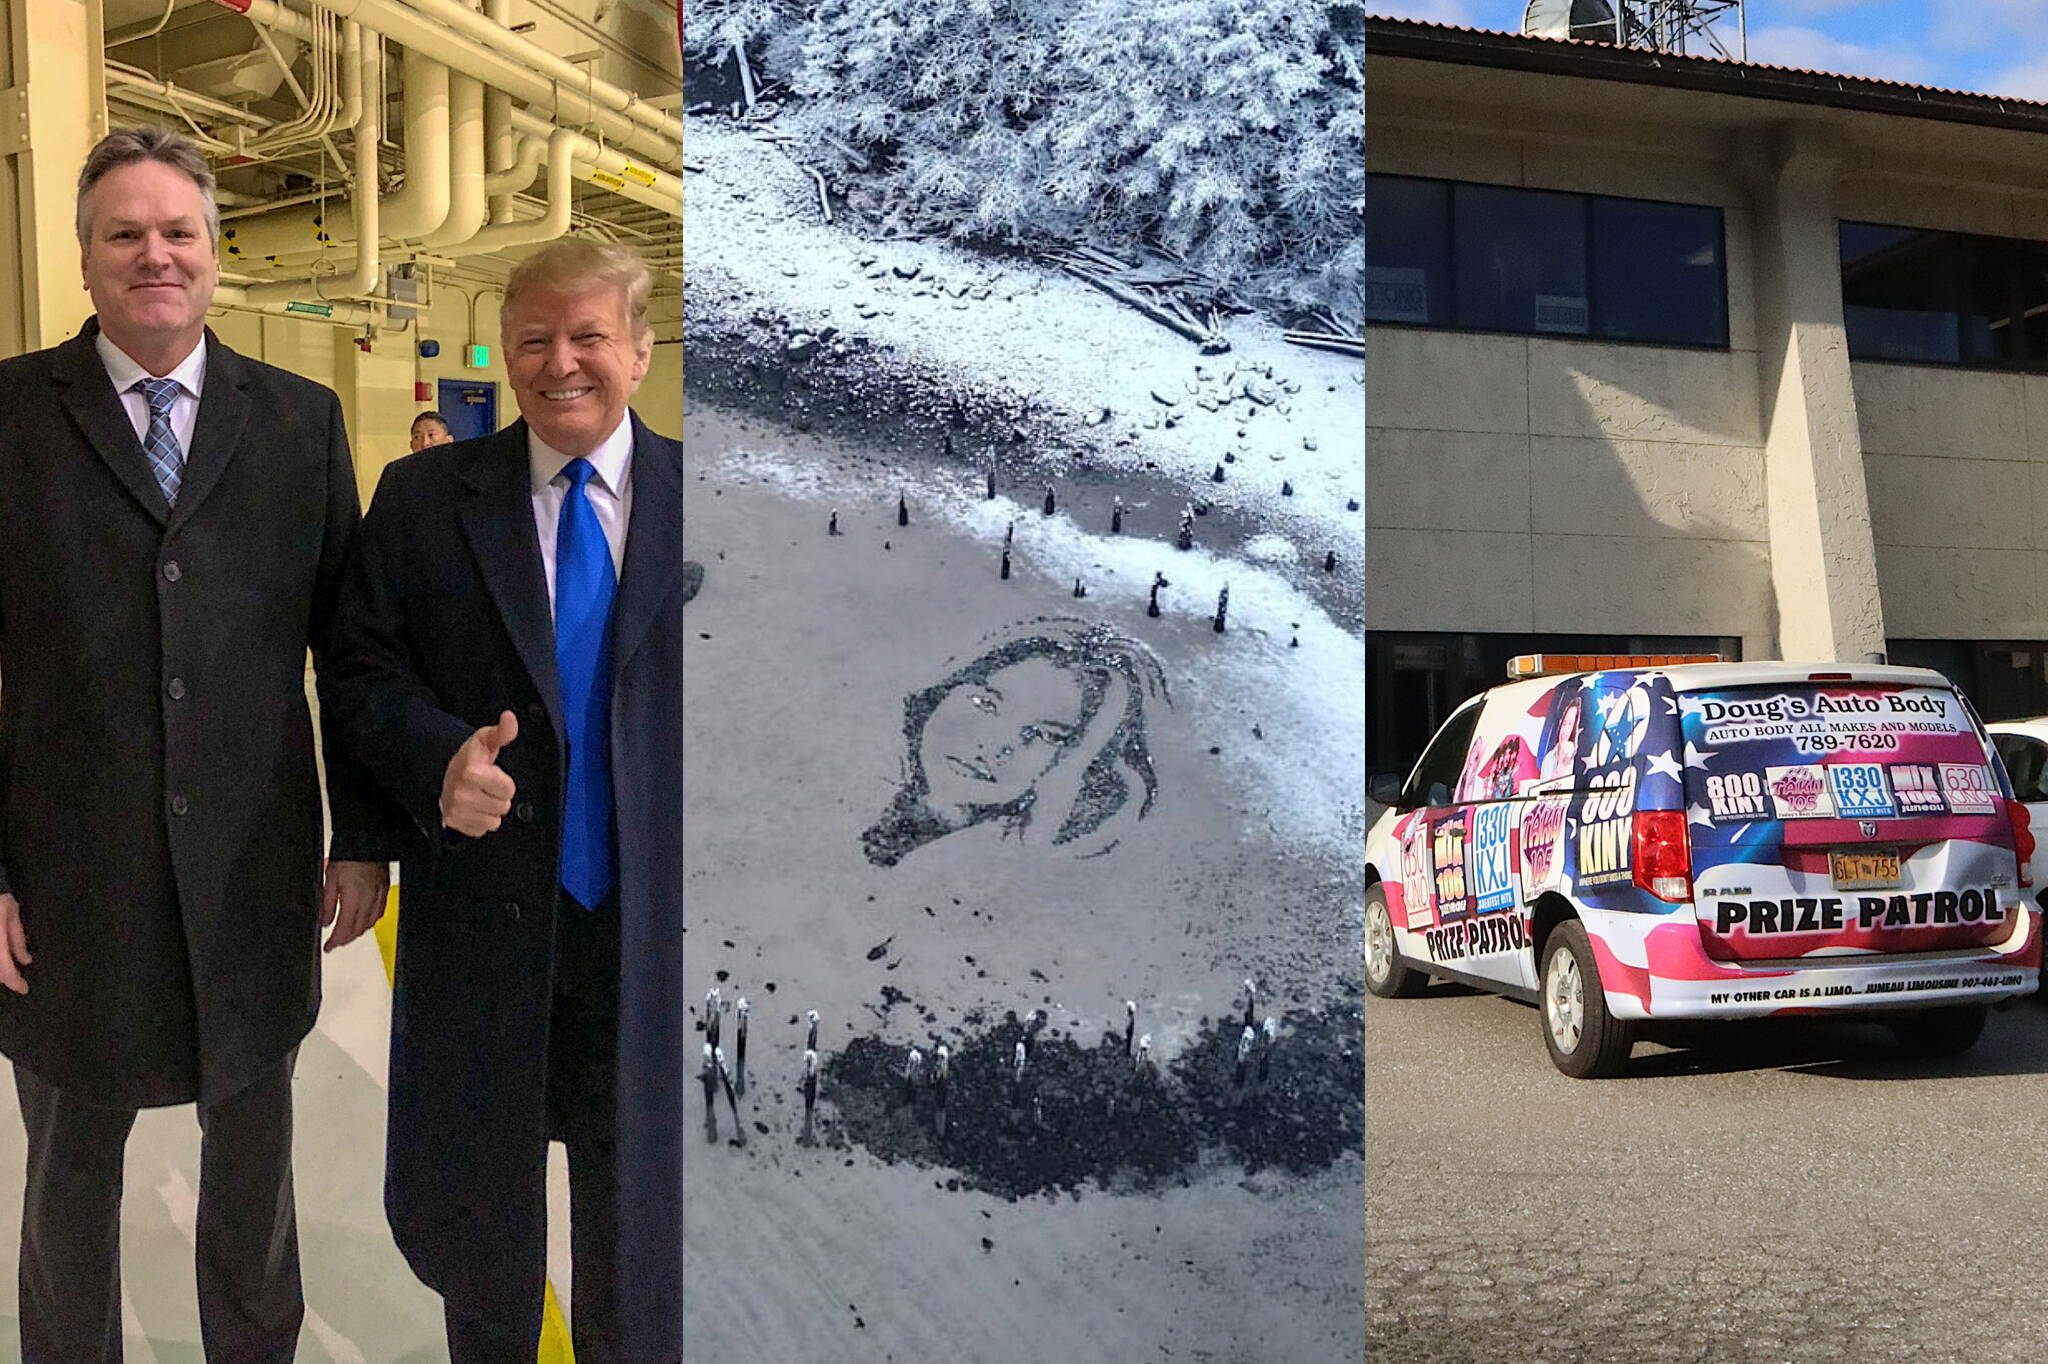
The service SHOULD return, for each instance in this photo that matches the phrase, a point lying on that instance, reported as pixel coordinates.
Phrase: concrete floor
(363, 1305)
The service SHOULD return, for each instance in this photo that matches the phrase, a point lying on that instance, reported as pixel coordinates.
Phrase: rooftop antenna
(1683, 27)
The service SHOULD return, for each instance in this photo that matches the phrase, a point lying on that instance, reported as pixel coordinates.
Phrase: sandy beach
(880, 1241)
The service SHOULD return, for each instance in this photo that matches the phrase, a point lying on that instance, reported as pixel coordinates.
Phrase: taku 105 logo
(1542, 841)
(1800, 791)
(1969, 788)
(1917, 787)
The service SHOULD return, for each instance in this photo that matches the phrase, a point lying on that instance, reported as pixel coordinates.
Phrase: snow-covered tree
(1230, 131)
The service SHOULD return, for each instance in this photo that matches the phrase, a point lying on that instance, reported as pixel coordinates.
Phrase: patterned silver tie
(160, 443)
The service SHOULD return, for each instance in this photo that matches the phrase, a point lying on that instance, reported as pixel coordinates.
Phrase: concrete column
(1823, 560)
(52, 109)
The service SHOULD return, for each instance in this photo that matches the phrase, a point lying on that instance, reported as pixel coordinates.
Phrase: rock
(905, 270)
(800, 346)
(1261, 391)
(1164, 400)
(1308, 443)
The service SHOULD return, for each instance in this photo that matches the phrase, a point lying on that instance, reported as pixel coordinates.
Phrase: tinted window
(1543, 262)
(1521, 260)
(2033, 301)
(2025, 760)
(1944, 297)
(2005, 679)
(1657, 272)
(1437, 775)
(1408, 250)
(1415, 679)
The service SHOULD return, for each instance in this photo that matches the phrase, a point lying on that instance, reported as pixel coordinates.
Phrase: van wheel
(1585, 1041)
(1947, 1031)
(1386, 975)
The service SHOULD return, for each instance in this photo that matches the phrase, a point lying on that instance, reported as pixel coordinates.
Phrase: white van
(1623, 839)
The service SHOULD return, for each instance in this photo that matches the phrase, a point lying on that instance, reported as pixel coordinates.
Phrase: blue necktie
(585, 583)
(160, 443)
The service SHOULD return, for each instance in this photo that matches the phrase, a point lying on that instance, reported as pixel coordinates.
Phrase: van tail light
(1663, 855)
(2022, 840)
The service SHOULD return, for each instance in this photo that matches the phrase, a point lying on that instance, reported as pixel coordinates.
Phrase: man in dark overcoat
(512, 673)
(174, 520)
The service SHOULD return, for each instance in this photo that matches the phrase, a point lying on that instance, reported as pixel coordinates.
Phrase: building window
(1414, 679)
(1944, 298)
(1408, 251)
(1521, 260)
(1540, 262)
(2005, 679)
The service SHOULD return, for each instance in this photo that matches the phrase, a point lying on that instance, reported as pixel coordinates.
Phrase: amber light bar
(1554, 665)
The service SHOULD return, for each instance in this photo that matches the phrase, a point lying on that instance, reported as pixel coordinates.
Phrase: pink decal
(1800, 791)
(1969, 788)
(1542, 842)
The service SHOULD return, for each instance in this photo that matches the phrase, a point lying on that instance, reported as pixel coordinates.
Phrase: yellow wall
(660, 399)
(376, 387)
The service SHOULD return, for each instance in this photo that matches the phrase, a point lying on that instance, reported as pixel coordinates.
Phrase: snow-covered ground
(1096, 377)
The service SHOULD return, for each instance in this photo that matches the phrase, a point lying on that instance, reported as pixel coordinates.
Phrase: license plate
(1864, 868)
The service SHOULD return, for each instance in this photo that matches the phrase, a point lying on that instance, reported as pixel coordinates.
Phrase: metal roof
(1386, 35)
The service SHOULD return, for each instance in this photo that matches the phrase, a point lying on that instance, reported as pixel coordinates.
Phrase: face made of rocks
(988, 743)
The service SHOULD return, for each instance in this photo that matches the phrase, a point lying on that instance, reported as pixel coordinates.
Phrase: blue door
(471, 408)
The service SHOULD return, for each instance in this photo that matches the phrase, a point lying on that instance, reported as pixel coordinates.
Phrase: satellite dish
(1592, 20)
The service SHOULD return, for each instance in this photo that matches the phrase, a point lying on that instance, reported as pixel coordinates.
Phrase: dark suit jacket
(445, 624)
(159, 808)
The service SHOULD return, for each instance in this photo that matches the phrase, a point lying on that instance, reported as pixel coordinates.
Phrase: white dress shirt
(190, 374)
(610, 494)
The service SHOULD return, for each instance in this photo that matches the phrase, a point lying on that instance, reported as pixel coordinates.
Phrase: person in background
(174, 521)
(430, 428)
(512, 673)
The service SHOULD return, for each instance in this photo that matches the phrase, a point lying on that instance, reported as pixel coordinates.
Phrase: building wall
(1547, 484)
(1956, 460)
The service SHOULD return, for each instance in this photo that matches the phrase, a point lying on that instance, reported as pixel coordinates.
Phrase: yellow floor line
(554, 1332)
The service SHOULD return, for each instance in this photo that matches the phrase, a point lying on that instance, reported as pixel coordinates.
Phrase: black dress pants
(582, 1103)
(250, 1300)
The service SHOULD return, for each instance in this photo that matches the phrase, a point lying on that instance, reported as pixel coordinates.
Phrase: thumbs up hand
(476, 792)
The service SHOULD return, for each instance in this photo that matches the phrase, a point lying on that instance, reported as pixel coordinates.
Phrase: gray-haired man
(174, 520)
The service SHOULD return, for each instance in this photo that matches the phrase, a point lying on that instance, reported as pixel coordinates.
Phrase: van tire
(1386, 975)
(1947, 1031)
(1585, 1041)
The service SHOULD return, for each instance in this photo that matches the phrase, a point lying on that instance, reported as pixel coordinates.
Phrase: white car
(1617, 840)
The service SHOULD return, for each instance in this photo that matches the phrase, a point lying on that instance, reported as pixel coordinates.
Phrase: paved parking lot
(1769, 1191)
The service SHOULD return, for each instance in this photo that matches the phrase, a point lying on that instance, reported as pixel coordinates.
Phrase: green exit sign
(479, 357)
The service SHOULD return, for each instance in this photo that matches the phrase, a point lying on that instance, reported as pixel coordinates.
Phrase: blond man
(512, 673)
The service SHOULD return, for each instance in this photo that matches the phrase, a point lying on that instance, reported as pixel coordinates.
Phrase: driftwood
(824, 200)
(739, 57)
(1211, 341)
(1353, 346)
(854, 157)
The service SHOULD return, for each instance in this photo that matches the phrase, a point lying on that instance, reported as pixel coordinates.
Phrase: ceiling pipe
(466, 201)
(419, 208)
(505, 150)
(550, 225)
(496, 36)
(176, 99)
(619, 174)
(368, 276)
(503, 184)
(510, 64)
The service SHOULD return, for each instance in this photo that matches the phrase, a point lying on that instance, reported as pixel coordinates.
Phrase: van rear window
(1856, 751)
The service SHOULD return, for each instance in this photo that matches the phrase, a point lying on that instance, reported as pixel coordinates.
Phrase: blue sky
(1998, 47)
